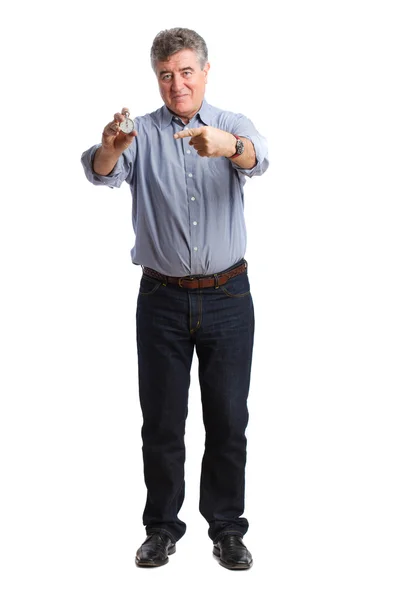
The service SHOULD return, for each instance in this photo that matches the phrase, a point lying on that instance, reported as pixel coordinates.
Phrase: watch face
(127, 125)
(239, 146)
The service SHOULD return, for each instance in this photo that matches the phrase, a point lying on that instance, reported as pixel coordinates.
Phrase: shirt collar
(204, 114)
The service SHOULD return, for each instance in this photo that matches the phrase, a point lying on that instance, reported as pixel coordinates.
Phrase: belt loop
(216, 281)
(166, 280)
(246, 265)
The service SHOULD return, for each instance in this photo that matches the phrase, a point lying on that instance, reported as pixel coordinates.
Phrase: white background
(315, 78)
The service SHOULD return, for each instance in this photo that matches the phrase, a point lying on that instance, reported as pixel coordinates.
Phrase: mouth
(180, 97)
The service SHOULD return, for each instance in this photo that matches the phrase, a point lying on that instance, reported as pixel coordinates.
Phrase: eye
(187, 73)
(166, 77)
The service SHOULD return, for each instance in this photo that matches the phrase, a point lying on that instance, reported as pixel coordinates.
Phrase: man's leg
(224, 346)
(165, 352)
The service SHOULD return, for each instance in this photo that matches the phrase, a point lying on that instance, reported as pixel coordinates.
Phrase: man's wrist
(104, 161)
(239, 147)
(107, 153)
(231, 146)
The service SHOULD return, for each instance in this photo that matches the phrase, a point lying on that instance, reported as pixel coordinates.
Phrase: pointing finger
(188, 133)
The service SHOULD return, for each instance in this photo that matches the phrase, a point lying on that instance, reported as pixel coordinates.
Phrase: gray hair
(169, 41)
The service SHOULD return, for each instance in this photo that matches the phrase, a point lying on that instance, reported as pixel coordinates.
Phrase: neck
(184, 119)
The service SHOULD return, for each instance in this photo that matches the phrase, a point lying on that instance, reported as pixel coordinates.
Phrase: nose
(177, 83)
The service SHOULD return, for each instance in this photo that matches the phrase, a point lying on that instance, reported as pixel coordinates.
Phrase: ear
(206, 69)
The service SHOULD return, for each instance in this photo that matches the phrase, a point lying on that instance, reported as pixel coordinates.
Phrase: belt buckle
(181, 278)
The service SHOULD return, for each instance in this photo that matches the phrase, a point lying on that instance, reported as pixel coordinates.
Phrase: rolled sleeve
(114, 179)
(244, 127)
(261, 149)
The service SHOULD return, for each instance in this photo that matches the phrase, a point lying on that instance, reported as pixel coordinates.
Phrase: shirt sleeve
(121, 171)
(245, 128)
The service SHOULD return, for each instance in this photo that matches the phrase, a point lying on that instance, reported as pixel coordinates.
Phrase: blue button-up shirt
(188, 210)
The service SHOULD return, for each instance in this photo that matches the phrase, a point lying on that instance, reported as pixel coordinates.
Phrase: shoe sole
(158, 563)
(241, 567)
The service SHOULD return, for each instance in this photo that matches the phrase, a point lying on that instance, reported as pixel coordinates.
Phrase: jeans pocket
(236, 287)
(148, 285)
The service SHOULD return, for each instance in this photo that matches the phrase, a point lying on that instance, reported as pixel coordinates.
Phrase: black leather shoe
(232, 553)
(155, 550)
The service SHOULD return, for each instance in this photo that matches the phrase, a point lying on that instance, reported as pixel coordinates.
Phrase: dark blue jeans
(171, 321)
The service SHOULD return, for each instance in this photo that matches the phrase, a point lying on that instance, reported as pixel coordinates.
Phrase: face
(182, 83)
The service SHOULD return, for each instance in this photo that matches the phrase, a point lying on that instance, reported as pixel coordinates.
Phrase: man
(186, 165)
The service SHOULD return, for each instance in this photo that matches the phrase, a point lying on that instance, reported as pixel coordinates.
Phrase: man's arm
(212, 142)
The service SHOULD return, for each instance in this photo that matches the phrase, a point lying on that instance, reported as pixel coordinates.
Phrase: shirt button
(194, 222)
(195, 248)
(187, 151)
(190, 174)
(192, 198)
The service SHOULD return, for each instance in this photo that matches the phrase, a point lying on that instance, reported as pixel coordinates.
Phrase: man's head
(179, 58)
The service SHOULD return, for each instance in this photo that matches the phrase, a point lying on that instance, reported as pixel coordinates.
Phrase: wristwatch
(239, 147)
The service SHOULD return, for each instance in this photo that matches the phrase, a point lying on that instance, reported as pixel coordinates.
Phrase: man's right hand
(113, 143)
(113, 139)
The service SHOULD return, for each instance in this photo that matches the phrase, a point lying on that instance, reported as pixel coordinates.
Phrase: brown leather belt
(193, 282)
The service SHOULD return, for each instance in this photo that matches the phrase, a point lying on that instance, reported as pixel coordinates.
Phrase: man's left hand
(209, 141)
